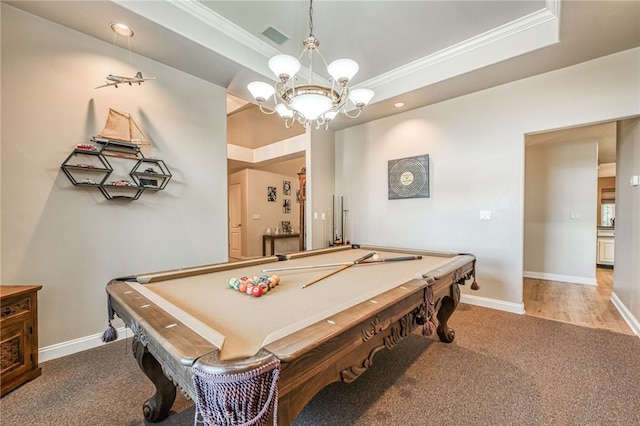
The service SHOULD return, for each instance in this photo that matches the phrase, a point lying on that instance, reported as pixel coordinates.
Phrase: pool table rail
(173, 274)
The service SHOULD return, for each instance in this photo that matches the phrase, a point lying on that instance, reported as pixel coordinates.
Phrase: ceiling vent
(275, 35)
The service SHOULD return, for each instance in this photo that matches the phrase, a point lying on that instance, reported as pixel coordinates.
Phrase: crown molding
(223, 25)
(198, 23)
(204, 26)
(530, 32)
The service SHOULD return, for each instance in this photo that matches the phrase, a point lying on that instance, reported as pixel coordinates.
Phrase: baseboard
(500, 305)
(633, 323)
(561, 278)
(71, 347)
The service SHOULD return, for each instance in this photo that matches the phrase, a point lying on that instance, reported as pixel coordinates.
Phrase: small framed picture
(286, 227)
(286, 206)
(286, 187)
(271, 194)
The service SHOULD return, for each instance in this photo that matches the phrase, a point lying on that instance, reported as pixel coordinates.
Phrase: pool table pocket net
(250, 396)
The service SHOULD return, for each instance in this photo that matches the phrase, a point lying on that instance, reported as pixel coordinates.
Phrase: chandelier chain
(311, 18)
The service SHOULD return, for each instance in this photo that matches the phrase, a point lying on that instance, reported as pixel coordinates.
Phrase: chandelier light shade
(310, 103)
(284, 66)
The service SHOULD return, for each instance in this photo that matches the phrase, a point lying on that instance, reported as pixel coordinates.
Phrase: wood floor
(579, 304)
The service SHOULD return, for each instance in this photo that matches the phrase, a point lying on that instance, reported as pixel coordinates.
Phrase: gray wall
(72, 240)
(626, 273)
(477, 154)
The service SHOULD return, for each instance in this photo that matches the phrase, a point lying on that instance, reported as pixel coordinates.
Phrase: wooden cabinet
(18, 335)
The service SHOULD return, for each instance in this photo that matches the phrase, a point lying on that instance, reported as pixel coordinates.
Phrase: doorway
(568, 223)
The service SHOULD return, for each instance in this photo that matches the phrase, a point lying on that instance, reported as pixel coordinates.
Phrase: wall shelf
(90, 166)
(151, 174)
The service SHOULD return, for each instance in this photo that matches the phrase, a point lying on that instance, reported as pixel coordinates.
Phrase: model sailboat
(121, 130)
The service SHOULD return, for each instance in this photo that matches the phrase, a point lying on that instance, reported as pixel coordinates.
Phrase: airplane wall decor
(114, 80)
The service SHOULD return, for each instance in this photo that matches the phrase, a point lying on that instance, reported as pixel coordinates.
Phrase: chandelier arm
(311, 67)
(326, 65)
(265, 111)
(281, 89)
(345, 112)
(343, 97)
(288, 124)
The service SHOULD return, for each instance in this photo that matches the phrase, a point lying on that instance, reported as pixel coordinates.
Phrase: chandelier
(310, 103)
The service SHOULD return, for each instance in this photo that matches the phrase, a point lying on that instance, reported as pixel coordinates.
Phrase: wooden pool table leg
(156, 408)
(448, 305)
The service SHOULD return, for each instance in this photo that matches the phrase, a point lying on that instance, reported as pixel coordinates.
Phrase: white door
(235, 222)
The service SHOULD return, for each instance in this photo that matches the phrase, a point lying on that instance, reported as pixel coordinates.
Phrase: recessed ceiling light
(121, 29)
(398, 105)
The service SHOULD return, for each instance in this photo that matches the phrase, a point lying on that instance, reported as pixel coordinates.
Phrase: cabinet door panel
(13, 344)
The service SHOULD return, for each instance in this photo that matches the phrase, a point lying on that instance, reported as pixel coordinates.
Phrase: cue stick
(342, 268)
(326, 265)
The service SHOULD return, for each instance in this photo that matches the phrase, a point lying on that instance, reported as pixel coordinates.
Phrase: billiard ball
(256, 291)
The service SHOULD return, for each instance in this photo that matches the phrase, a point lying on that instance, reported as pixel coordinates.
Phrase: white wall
(561, 181)
(626, 273)
(476, 149)
(71, 239)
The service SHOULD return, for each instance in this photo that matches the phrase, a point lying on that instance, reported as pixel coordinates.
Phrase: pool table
(320, 333)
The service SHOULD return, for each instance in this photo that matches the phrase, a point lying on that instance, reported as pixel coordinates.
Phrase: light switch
(635, 180)
(255, 217)
(574, 215)
(315, 215)
(485, 214)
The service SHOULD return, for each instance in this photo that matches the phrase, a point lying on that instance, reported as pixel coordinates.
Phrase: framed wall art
(409, 177)
(271, 194)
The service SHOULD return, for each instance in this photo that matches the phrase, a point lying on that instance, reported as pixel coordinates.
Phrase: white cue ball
(376, 256)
